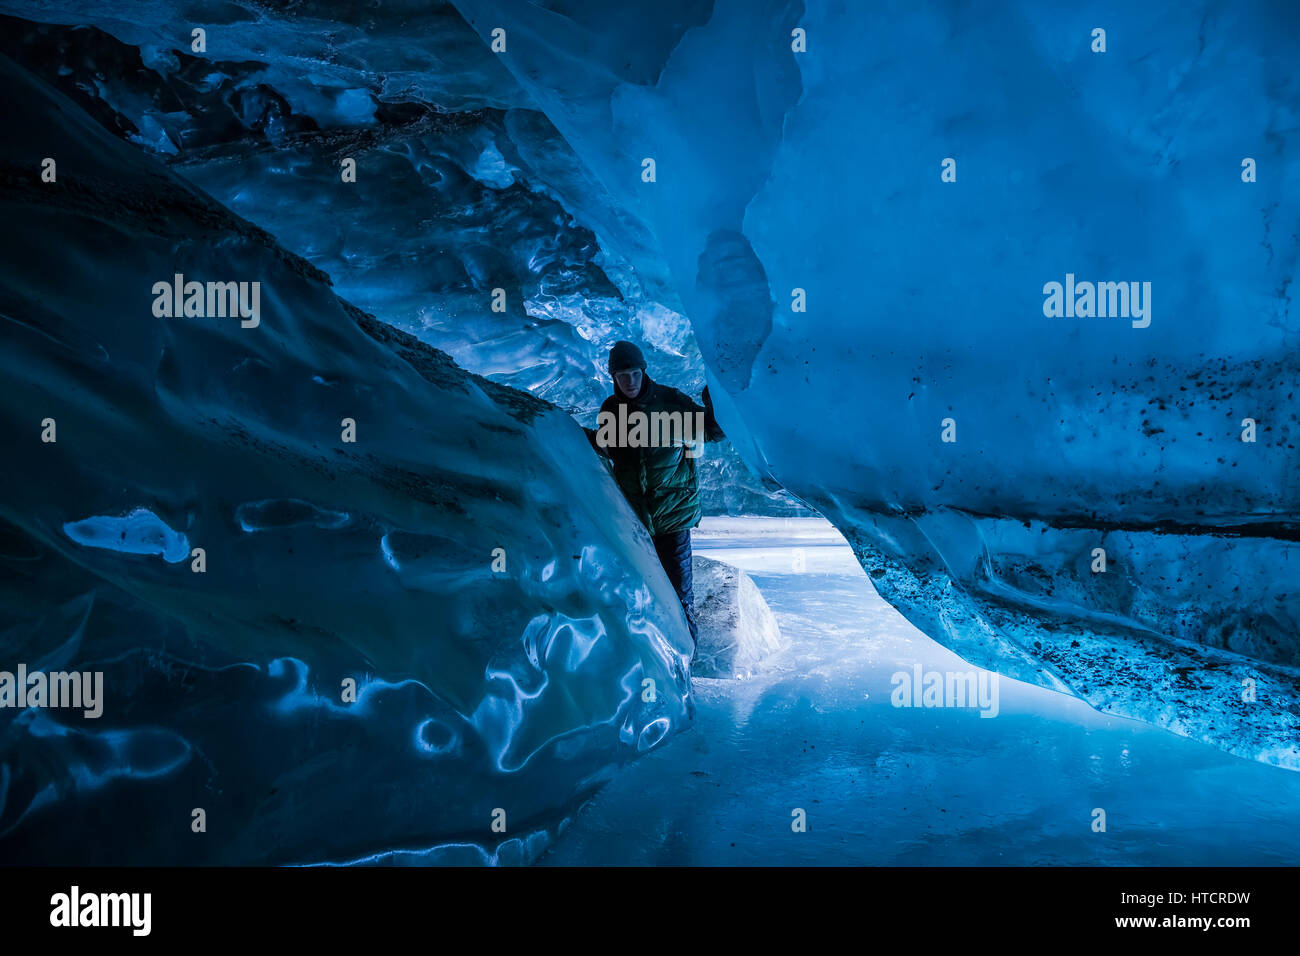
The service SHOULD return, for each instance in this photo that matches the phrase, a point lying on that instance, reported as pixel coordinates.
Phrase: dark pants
(674, 552)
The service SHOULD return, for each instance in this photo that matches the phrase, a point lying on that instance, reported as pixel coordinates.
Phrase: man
(658, 478)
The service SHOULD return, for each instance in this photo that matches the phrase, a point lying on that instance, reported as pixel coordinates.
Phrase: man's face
(629, 381)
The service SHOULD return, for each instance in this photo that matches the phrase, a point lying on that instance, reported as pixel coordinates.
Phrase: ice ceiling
(820, 210)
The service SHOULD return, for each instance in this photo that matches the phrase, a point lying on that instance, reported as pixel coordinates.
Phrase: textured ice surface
(850, 305)
(776, 171)
(736, 627)
(140, 532)
(815, 728)
(820, 171)
(320, 58)
(451, 225)
(465, 563)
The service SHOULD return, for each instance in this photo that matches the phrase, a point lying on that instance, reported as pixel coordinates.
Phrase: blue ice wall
(820, 170)
(451, 223)
(862, 208)
(342, 597)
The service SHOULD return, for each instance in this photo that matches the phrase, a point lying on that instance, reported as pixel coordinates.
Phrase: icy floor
(890, 785)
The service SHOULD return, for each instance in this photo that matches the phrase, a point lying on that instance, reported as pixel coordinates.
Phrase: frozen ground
(815, 729)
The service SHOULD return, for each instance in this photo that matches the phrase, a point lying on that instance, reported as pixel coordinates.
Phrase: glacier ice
(878, 337)
(337, 650)
(851, 307)
(139, 532)
(450, 207)
(884, 785)
(737, 628)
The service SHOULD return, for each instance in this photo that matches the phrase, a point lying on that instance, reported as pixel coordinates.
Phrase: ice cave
(306, 309)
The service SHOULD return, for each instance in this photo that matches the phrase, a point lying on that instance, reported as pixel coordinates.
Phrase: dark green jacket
(660, 483)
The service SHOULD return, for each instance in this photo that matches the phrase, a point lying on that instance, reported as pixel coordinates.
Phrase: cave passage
(816, 729)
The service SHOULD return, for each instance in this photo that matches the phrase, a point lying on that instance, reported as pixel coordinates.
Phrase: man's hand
(712, 430)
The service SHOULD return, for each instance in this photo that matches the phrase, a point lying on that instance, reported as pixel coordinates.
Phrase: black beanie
(625, 355)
